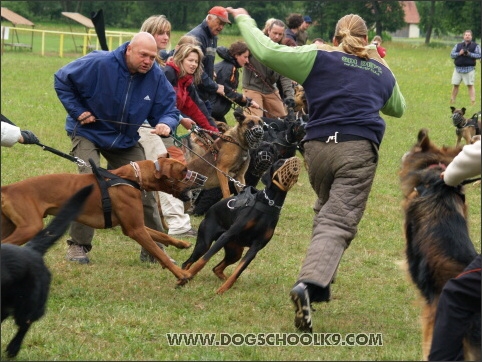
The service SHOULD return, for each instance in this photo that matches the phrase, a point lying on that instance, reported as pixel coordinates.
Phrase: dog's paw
(185, 279)
(186, 245)
(221, 289)
(181, 244)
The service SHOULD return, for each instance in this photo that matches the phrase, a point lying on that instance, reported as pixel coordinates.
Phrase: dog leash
(80, 162)
(77, 160)
(234, 105)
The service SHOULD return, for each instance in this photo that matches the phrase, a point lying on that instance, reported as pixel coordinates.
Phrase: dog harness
(114, 180)
(252, 198)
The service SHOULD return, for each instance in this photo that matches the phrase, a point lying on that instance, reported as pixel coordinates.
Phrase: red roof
(411, 12)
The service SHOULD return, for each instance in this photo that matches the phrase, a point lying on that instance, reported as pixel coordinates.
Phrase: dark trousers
(459, 301)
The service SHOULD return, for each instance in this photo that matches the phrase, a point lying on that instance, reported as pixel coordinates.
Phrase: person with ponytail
(227, 74)
(346, 86)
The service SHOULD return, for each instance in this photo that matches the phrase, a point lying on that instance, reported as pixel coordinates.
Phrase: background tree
(437, 17)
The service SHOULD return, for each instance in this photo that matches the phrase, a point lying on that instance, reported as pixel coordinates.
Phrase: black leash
(469, 181)
(234, 105)
(77, 160)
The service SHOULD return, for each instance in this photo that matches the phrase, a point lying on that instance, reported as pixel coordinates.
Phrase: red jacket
(185, 91)
(381, 51)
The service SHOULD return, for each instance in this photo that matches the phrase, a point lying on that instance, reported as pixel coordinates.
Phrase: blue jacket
(101, 83)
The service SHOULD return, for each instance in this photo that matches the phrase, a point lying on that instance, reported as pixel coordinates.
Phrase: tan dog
(232, 153)
(466, 128)
(26, 203)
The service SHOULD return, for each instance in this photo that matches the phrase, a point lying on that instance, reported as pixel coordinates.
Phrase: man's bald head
(141, 53)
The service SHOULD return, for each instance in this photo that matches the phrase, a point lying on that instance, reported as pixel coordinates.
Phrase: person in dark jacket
(207, 34)
(341, 142)
(107, 96)
(464, 55)
(293, 23)
(302, 34)
(227, 74)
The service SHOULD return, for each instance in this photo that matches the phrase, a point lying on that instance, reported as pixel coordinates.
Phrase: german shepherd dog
(230, 154)
(26, 278)
(248, 220)
(438, 246)
(465, 128)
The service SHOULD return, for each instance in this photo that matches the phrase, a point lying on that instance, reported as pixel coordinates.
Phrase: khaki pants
(271, 102)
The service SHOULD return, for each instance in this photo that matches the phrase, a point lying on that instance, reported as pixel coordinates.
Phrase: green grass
(117, 308)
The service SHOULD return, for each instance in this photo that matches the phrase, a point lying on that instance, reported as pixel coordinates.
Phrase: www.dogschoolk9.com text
(275, 339)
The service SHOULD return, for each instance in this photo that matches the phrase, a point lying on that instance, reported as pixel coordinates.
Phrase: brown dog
(438, 246)
(231, 154)
(466, 128)
(26, 203)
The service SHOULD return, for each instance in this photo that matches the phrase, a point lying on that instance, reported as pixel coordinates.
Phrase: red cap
(221, 13)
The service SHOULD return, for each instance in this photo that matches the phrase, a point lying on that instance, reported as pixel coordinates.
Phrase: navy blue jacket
(101, 83)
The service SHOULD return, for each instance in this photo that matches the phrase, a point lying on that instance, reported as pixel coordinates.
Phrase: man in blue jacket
(107, 96)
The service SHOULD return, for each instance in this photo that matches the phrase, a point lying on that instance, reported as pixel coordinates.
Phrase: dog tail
(59, 225)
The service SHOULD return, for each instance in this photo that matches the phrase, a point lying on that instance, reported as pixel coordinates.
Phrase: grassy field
(117, 308)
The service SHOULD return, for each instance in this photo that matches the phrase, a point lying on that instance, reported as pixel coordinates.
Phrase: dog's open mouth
(287, 175)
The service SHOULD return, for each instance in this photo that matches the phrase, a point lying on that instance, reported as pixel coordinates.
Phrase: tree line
(437, 18)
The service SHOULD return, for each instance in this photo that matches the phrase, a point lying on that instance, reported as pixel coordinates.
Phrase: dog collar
(137, 172)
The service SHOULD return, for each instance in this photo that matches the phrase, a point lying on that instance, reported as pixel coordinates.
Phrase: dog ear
(463, 110)
(453, 109)
(239, 115)
(165, 166)
(423, 140)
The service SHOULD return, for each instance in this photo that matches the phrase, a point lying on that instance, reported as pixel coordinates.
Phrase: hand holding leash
(86, 118)
(29, 138)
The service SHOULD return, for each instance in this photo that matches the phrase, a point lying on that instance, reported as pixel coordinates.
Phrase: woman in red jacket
(377, 41)
(183, 71)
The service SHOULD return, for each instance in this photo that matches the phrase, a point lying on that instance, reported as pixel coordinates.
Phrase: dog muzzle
(254, 136)
(262, 162)
(458, 120)
(194, 179)
(287, 175)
